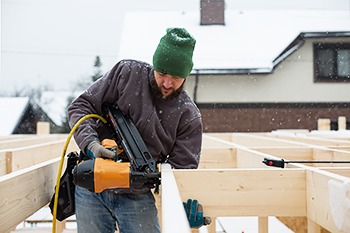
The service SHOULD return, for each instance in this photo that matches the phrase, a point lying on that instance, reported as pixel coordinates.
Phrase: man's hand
(194, 212)
(95, 150)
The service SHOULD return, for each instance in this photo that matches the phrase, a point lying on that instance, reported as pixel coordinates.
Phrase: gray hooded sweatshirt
(171, 128)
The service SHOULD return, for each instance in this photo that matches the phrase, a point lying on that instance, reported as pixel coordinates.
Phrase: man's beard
(157, 93)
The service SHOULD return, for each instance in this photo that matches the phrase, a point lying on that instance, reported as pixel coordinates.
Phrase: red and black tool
(281, 162)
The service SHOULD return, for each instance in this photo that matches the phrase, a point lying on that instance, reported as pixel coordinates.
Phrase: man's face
(168, 85)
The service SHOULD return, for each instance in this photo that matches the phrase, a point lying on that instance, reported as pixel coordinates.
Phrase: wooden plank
(247, 158)
(313, 227)
(337, 135)
(218, 158)
(29, 141)
(323, 124)
(345, 148)
(263, 225)
(343, 171)
(42, 128)
(18, 136)
(255, 140)
(319, 152)
(331, 154)
(341, 123)
(296, 224)
(327, 200)
(308, 139)
(3, 162)
(8, 162)
(245, 192)
(27, 156)
(209, 143)
(223, 136)
(287, 153)
(27, 191)
(174, 218)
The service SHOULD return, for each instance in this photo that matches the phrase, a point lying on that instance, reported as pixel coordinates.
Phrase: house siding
(287, 98)
(269, 117)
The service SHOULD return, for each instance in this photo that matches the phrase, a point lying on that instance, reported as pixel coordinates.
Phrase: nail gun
(140, 169)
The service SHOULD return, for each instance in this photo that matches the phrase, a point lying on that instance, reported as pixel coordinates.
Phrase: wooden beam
(296, 224)
(174, 218)
(209, 143)
(327, 201)
(26, 191)
(263, 224)
(3, 163)
(13, 136)
(319, 152)
(287, 153)
(331, 154)
(313, 140)
(29, 140)
(223, 136)
(343, 171)
(218, 158)
(42, 128)
(245, 192)
(8, 162)
(313, 227)
(344, 148)
(258, 140)
(341, 123)
(324, 124)
(19, 158)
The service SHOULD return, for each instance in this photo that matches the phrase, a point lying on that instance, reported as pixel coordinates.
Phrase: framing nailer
(137, 169)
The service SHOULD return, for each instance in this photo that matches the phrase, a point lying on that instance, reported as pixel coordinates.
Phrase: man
(167, 119)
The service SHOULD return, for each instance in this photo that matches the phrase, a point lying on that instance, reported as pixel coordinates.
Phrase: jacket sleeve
(104, 90)
(187, 148)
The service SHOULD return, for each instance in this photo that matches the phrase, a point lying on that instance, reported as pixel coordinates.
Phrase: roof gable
(55, 103)
(15, 108)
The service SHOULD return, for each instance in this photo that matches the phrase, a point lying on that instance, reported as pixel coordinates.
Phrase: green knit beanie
(174, 53)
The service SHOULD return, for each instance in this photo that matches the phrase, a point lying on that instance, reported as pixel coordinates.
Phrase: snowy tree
(81, 85)
(97, 69)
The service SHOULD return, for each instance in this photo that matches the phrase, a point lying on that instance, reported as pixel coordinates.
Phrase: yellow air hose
(61, 164)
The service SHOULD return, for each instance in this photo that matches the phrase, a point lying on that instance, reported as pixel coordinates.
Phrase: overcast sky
(54, 42)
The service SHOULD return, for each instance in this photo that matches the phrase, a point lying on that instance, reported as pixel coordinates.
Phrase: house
(256, 70)
(19, 116)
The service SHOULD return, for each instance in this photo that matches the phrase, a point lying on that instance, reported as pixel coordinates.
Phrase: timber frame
(231, 180)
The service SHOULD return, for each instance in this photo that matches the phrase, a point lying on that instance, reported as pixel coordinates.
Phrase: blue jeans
(99, 212)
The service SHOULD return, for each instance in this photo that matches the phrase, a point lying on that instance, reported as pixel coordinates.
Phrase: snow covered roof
(12, 111)
(249, 41)
(54, 103)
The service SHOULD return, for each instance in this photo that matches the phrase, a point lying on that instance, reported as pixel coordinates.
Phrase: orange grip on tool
(111, 144)
(109, 174)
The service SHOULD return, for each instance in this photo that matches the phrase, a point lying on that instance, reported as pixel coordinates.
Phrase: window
(332, 62)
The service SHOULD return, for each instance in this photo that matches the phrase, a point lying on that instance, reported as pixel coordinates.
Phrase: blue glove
(95, 150)
(194, 212)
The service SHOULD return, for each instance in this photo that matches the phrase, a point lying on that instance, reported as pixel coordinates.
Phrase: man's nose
(167, 83)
